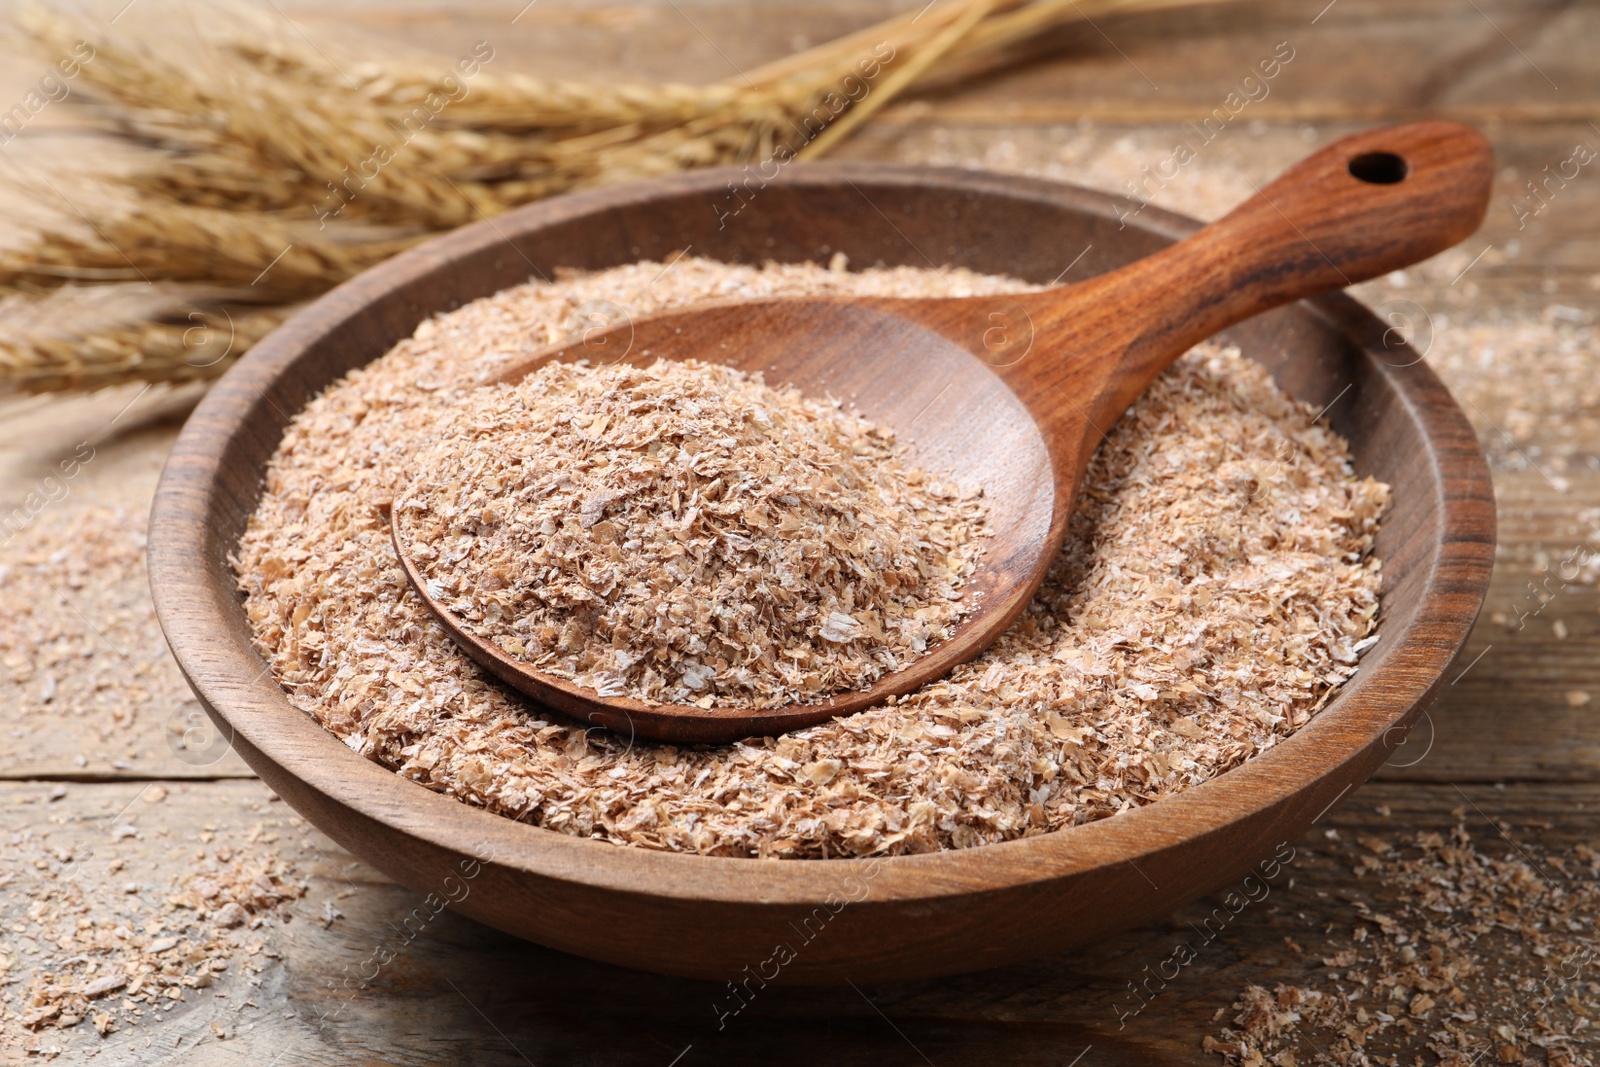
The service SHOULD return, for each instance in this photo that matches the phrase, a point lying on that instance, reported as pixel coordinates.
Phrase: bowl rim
(234, 683)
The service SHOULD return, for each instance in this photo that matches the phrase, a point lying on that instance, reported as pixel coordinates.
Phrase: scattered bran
(1478, 956)
(114, 926)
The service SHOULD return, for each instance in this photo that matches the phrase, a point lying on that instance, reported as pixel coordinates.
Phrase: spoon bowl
(955, 414)
(1012, 393)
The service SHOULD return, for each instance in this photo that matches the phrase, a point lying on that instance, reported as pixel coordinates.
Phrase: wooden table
(94, 710)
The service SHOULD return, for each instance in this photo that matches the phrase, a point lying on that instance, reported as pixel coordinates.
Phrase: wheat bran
(1216, 588)
(685, 533)
(1479, 956)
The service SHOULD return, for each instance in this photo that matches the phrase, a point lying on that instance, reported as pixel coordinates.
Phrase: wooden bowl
(824, 920)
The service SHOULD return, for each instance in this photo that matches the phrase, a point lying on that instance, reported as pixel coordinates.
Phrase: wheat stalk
(198, 349)
(265, 151)
(901, 76)
(90, 338)
(282, 260)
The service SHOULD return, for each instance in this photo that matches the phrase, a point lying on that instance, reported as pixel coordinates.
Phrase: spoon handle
(1363, 206)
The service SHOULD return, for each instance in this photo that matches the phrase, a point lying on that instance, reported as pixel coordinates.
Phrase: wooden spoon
(1015, 392)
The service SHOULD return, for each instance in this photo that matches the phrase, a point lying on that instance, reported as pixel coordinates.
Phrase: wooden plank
(1352, 59)
(1521, 704)
(692, 41)
(453, 991)
(1358, 58)
(89, 687)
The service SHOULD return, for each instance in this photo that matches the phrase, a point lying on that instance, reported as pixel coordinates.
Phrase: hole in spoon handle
(1379, 168)
(1365, 205)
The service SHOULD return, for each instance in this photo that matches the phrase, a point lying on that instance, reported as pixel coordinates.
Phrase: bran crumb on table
(1480, 955)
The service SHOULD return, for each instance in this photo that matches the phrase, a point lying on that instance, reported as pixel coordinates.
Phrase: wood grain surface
(1508, 732)
(460, 992)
